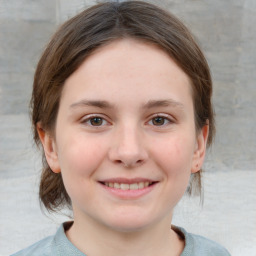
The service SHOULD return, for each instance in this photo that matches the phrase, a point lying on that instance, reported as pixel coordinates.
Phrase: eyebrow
(92, 103)
(163, 103)
(104, 104)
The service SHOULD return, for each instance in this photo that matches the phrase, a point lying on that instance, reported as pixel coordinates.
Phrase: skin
(145, 130)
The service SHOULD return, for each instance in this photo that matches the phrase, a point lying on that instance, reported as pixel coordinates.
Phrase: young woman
(121, 105)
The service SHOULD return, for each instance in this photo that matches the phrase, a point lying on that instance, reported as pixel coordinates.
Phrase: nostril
(133, 163)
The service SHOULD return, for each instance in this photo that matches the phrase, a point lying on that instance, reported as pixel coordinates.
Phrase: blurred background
(226, 32)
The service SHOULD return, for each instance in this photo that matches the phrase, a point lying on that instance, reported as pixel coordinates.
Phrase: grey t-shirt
(59, 245)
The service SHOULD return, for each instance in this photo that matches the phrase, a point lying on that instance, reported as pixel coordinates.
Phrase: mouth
(127, 186)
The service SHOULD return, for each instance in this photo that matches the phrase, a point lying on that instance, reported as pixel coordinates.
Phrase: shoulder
(43, 248)
(199, 245)
(206, 246)
(57, 245)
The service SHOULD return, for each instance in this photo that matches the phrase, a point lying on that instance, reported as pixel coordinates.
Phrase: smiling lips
(125, 186)
(128, 188)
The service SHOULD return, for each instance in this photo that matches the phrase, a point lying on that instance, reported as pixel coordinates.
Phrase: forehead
(124, 67)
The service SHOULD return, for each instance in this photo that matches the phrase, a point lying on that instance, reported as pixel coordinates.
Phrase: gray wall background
(227, 33)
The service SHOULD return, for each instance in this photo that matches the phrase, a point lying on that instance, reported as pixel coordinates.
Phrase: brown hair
(94, 27)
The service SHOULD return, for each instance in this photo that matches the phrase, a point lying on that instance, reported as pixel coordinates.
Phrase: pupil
(158, 121)
(96, 121)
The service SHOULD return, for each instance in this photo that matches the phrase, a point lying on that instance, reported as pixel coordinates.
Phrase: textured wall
(226, 31)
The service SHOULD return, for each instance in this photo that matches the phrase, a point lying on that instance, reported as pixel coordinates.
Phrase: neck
(94, 239)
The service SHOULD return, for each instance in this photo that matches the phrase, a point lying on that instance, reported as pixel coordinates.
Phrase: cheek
(177, 153)
(79, 158)
(175, 160)
(80, 155)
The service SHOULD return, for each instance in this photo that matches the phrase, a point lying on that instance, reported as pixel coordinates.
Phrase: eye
(95, 121)
(160, 120)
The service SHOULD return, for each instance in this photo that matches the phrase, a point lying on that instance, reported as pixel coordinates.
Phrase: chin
(129, 227)
(130, 223)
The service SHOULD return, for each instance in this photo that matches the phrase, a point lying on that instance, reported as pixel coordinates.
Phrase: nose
(128, 148)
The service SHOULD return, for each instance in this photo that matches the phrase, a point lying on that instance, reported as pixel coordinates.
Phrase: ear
(50, 149)
(200, 149)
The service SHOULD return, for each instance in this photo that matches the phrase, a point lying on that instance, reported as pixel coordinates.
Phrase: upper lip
(126, 180)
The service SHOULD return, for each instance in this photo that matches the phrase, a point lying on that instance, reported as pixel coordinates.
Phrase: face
(125, 139)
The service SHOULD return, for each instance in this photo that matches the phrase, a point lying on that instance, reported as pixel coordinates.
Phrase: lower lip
(129, 194)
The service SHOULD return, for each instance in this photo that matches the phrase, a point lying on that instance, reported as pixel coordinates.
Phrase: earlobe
(200, 149)
(50, 149)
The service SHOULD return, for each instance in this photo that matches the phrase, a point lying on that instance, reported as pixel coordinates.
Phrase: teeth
(116, 185)
(134, 186)
(124, 186)
(141, 185)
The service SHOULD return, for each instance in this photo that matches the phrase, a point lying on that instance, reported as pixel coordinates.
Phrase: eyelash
(88, 120)
(165, 117)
